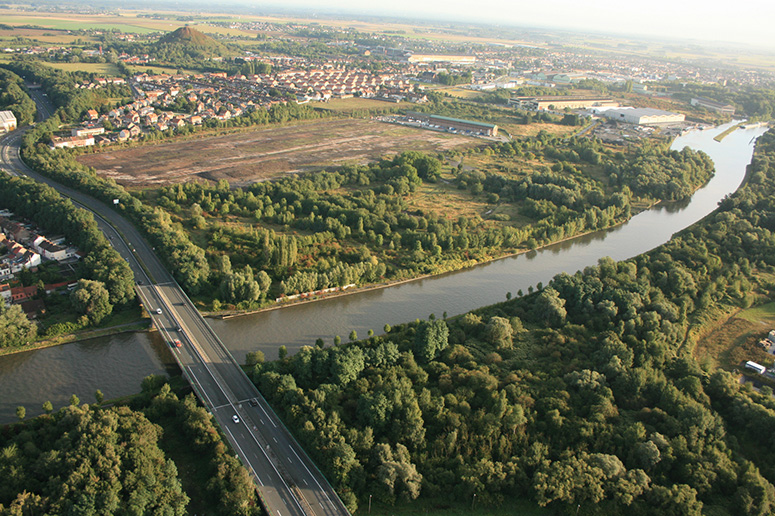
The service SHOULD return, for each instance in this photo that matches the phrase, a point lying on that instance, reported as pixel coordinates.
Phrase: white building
(643, 116)
(7, 121)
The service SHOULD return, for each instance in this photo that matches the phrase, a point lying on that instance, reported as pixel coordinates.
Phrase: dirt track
(244, 158)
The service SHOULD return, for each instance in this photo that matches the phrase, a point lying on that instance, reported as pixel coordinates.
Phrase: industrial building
(437, 58)
(560, 102)
(454, 124)
(7, 121)
(719, 107)
(642, 116)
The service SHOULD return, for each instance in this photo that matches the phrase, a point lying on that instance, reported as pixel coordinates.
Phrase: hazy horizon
(688, 20)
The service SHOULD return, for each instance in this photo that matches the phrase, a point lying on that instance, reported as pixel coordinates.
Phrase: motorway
(288, 482)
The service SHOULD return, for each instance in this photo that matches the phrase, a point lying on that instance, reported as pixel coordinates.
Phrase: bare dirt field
(244, 158)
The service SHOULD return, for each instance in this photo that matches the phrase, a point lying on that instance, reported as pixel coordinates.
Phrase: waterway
(116, 365)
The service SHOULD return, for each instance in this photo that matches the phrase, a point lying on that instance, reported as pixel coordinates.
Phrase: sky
(749, 22)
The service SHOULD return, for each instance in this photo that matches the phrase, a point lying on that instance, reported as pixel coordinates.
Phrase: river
(116, 365)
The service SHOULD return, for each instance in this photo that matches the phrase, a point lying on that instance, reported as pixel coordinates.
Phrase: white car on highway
(235, 418)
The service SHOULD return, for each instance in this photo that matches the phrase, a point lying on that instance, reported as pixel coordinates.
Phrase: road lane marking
(275, 439)
(305, 481)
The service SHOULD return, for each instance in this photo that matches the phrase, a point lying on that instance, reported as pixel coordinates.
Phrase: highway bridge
(288, 482)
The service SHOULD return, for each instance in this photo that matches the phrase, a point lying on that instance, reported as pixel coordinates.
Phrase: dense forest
(583, 396)
(88, 459)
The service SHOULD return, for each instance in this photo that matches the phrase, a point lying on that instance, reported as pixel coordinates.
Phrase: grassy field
(50, 36)
(246, 157)
(733, 339)
(101, 68)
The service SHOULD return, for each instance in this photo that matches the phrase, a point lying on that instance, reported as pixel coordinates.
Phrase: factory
(453, 124)
(437, 58)
(718, 107)
(560, 102)
(641, 116)
(7, 121)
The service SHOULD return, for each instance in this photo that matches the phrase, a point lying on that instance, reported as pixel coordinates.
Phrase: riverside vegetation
(581, 396)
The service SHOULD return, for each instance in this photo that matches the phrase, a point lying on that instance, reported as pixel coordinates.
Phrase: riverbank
(130, 327)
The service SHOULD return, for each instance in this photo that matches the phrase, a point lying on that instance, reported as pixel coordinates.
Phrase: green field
(103, 68)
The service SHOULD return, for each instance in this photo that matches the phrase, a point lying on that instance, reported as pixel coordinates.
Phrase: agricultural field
(84, 21)
(100, 68)
(244, 158)
(49, 36)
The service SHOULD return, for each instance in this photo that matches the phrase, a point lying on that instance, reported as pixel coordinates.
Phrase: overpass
(287, 481)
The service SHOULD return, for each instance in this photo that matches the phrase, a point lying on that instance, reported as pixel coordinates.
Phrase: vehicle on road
(235, 418)
(158, 311)
(253, 403)
(176, 343)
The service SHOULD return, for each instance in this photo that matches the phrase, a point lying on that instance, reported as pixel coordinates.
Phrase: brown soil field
(244, 158)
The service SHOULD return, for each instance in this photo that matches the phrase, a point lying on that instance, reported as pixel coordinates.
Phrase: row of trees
(583, 394)
(14, 98)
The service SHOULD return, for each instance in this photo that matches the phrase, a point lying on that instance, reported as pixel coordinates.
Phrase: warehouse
(559, 102)
(643, 116)
(7, 121)
(719, 107)
(454, 124)
(437, 58)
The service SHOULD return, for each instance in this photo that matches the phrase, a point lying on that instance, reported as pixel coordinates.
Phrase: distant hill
(189, 42)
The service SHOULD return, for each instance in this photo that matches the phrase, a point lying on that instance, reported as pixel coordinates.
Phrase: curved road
(288, 482)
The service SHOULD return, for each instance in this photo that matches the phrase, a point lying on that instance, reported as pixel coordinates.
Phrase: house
(52, 251)
(92, 114)
(5, 293)
(21, 294)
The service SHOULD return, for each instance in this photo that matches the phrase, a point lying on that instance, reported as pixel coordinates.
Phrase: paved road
(288, 482)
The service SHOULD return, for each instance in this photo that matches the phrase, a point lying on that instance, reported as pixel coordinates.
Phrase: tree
(99, 396)
(91, 299)
(74, 401)
(499, 332)
(48, 407)
(15, 328)
(21, 412)
(253, 358)
(550, 307)
(430, 339)
(282, 352)
(353, 336)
